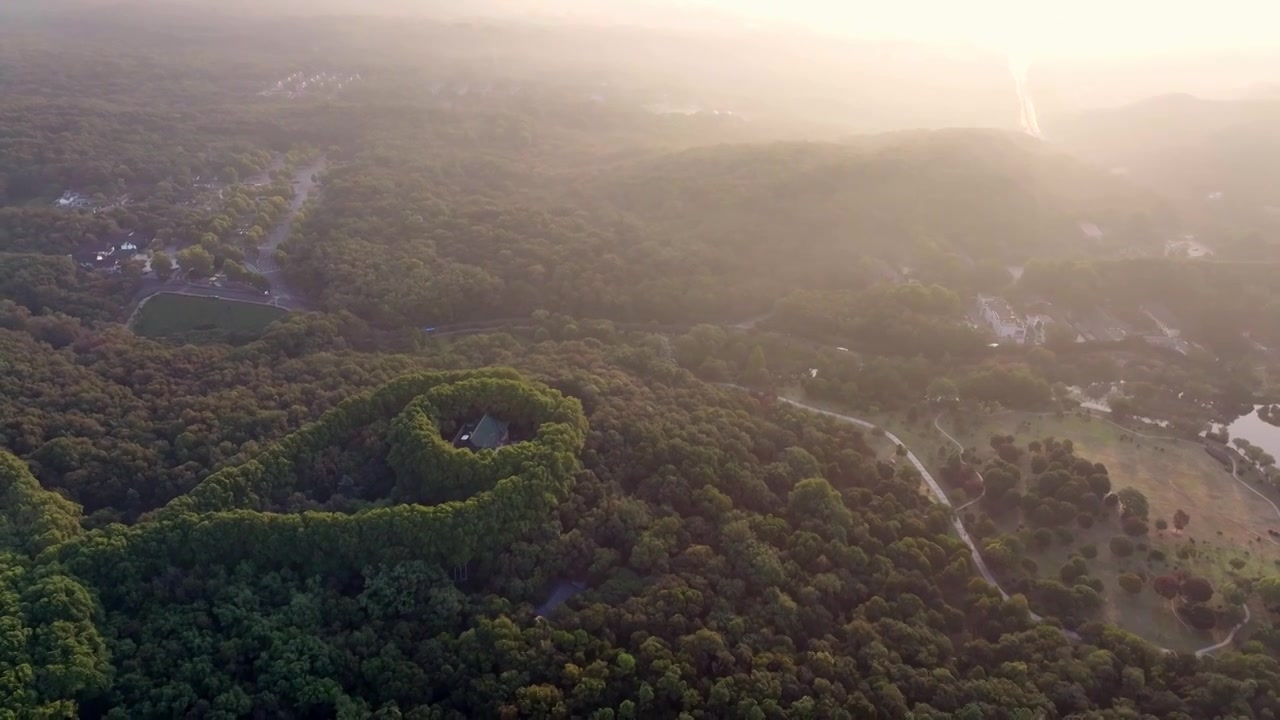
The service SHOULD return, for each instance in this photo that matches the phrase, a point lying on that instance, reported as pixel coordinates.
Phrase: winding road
(964, 534)
(281, 295)
(937, 491)
(1231, 636)
(928, 478)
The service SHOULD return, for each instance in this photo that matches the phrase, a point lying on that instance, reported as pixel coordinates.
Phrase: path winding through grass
(1231, 636)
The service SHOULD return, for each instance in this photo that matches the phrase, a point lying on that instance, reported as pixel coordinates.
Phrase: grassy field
(1227, 521)
(168, 314)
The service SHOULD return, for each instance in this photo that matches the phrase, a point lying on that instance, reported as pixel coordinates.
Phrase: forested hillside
(653, 264)
(1216, 157)
(707, 234)
(738, 560)
(985, 194)
(1188, 145)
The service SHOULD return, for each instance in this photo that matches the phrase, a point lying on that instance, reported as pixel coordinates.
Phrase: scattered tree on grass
(1134, 502)
(1180, 519)
(1121, 546)
(1131, 583)
(1233, 594)
(1197, 589)
(1166, 586)
(1134, 526)
(1162, 524)
(1269, 590)
(1100, 484)
(1073, 569)
(1199, 616)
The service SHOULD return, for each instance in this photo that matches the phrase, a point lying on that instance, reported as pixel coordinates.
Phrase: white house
(1002, 320)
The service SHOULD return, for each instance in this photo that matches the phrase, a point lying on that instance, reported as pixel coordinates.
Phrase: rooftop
(486, 433)
(1001, 308)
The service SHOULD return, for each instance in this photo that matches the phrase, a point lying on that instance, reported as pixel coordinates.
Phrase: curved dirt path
(957, 443)
(1234, 469)
(1235, 473)
(1230, 636)
(938, 493)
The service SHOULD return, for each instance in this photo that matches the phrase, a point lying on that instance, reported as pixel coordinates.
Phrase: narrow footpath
(938, 493)
(981, 480)
(1202, 651)
(978, 562)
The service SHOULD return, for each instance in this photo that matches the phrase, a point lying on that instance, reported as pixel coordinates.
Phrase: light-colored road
(964, 534)
(1247, 615)
(303, 186)
(1235, 473)
(957, 443)
(934, 487)
(281, 295)
(1230, 637)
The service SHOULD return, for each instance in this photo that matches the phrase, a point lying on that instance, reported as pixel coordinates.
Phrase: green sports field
(169, 314)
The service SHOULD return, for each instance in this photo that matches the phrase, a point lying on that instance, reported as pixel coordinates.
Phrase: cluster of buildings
(1098, 325)
(109, 256)
(72, 199)
(299, 84)
(1186, 247)
(998, 315)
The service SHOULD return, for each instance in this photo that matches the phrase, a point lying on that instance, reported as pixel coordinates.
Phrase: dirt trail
(955, 442)
(1234, 469)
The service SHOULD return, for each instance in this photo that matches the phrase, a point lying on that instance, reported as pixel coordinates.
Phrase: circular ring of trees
(430, 470)
(478, 502)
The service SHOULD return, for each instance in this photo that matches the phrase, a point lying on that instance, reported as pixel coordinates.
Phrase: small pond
(1253, 428)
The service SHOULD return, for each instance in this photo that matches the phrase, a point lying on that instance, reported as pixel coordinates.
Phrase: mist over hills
(986, 194)
(1186, 146)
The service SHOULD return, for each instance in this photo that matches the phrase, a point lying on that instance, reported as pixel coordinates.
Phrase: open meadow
(171, 314)
(1226, 539)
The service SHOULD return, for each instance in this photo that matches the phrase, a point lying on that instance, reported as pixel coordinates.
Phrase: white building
(1002, 320)
(1163, 320)
(73, 199)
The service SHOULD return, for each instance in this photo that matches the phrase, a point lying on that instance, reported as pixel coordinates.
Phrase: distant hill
(988, 195)
(1265, 91)
(1186, 146)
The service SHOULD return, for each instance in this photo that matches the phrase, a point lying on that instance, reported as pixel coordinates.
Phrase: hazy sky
(1040, 28)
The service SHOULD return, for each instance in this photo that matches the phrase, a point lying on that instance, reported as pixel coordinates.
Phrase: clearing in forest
(171, 314)
(1228, 522)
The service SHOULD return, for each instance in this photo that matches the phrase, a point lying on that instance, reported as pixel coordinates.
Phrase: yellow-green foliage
(51, 653)
(429, 469)
(32, 518)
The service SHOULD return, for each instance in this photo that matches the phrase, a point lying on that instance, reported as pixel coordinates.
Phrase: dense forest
(673, 238)
(738, 559)
(282, 526)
